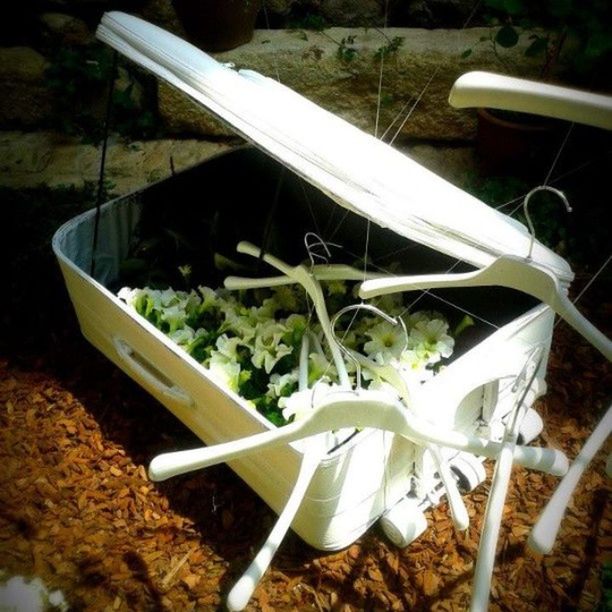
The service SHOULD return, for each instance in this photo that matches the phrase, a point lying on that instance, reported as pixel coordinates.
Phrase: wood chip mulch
(77, 508)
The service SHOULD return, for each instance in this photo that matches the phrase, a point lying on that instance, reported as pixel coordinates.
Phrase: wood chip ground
(77, 509)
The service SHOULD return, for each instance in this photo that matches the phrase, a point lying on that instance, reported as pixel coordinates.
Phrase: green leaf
(507, 37)
(466, 54)
(466, 322)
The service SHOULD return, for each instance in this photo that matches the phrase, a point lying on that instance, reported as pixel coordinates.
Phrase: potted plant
(218, 25)
(573, 42)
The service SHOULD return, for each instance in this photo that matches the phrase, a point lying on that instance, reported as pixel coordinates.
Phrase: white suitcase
(429, 222)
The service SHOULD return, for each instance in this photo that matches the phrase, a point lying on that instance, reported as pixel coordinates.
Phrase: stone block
(33, 159)
(340, 70)
(25, 99)
(66, 29)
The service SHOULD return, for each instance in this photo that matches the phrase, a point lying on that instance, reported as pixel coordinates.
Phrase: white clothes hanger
(321, 272)
(241, 592)
(544, 533)
(523, 274)
(324, 419)
(485, 559)
(506, 271)
(314, 451)
(353, 408)
(300, 274)
(509, 93)
(486, 89)
(407, 392)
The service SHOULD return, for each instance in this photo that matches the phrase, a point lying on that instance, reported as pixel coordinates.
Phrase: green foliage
(129, 119)
(581, 236)
(346, 49)
(391, 47)
(72, 77)
(79, 80)
(585, 24)
(387, 100)
(506, 193)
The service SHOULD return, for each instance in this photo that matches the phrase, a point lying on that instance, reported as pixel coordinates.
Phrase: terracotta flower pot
(514, 142)
(218, 25)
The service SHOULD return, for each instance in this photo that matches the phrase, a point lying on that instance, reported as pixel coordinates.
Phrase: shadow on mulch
(230, 519)
(227, 518)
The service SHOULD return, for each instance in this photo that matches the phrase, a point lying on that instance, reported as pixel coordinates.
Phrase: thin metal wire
(102, 173)
(416, 102)
(550, 189)
(380, 77)
(559, 152)
(403, 123)
(266, 17)
(374, 310)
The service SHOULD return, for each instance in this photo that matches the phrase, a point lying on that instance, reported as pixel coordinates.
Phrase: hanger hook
(313, 241)
(558, 193)
(375, 310)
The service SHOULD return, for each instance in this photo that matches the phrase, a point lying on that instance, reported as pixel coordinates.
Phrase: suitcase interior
(246, 195)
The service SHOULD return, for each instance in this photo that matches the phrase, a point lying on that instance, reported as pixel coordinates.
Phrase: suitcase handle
(141, 366)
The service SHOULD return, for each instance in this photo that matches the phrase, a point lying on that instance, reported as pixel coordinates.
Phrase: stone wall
(319, 65)
(338, 68)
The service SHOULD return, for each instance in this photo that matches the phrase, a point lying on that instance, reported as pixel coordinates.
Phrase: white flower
(185, 271)
(128, 295)
(391, 303)
(269, 349)
(209, 297)
(287, 298)
(387, 340)
(296, 322)
(430, 339)
(238, 320)
(278, 382)
(413, 367)
(268, 309)
(191, 302)
(135, 297)
(296, 325)
(228, 347)
(175, 316)
(297, 405)
(301, 403)
(225, 372)
(420, 316)
(169, 297)
(183, 336)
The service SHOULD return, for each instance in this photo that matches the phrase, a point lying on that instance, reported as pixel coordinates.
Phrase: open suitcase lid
(355, 169)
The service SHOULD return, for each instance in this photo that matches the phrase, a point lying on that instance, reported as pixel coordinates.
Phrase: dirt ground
(77, 509)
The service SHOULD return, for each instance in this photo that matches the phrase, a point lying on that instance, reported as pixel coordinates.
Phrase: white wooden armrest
(487, 89)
